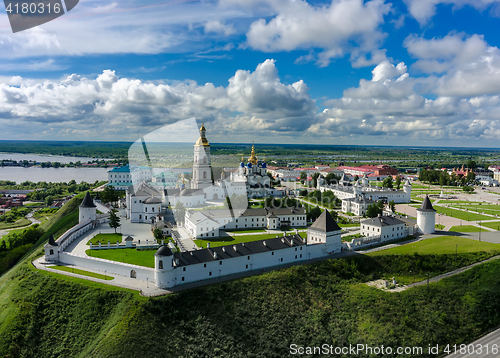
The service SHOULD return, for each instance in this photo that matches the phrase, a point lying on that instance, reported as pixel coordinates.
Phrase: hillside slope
(50, 315)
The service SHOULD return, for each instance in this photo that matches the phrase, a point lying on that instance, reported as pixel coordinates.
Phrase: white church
(174, 269)
(250, 180)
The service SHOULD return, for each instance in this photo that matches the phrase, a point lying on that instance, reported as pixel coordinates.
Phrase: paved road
(489, 345)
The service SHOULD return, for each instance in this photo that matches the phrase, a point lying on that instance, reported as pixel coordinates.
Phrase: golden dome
(202, 141)
(253, 158)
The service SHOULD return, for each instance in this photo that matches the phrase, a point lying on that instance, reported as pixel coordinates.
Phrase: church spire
(253, 157)
(202, 141)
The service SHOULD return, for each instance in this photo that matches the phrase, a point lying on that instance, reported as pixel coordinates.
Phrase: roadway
(489, 345)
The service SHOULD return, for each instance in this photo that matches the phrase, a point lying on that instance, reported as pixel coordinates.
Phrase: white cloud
(332, 28)
(111, 106)
(219, 28)
(393, 105)
(469, 66)
(424, 10)
(387, 70)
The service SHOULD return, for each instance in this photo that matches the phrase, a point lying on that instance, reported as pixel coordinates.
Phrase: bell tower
(202, 170)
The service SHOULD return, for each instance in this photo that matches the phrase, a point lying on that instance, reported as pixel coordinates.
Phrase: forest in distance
(275, 154)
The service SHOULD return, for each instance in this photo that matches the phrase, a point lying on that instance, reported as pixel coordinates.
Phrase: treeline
(16, 245)
(14, 214)
(70, 148)
(433, 176)
(326, 198)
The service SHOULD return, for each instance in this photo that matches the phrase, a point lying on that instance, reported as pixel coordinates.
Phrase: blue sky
(418, 72)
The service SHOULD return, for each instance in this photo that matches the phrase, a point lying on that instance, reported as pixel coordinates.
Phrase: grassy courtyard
(129, 256)
(466, 228)
(104, 238)
(440, 245)
(81, 272)
(459, 214)
(492, 225)
(223, 241)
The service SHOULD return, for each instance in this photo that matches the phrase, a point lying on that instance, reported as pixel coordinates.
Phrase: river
(45, 158)
(55, 175)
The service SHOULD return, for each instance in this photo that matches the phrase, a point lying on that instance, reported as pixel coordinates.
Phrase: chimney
(264, 243)
(208, 245)
(223, 249)
(235, 248)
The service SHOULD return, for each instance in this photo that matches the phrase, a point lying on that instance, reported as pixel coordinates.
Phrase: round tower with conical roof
(426, 217)
(164, 267)
(87, 209)
(407, 190)
(51, 250)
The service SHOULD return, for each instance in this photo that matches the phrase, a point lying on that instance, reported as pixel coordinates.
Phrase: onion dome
(202, 141)
(164, 251)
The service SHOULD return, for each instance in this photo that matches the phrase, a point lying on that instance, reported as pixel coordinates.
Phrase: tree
(471, 177)
(468, 189)
(444, 179)
(392, 205)
(471, 164)
(334, 214)
(398, 182)
(303, 192)
(109, 194)
(114, 220)
(331, 178)
(387, 183)
(374, 209)
(158, 234)
(315, 180)
(303, 176)
(49, 200)
(3, 246)
(314, 213)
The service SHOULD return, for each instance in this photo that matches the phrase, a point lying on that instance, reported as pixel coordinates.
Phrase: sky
(412, 72)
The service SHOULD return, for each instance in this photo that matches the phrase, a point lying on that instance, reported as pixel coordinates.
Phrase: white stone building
(357, 205)
(143, 204)
(385, 227)
(206, 223)
(426, 217)
(174, 269)
(344, 190)
(122, 178)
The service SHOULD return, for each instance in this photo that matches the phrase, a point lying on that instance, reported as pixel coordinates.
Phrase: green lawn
(104, 238)
(223, 241)
(81, 272)
(486, 209)
(130, 256)
(492, 225)
(439, 226)
(466, 228)
(439, 245)
(245, 231)
(457, 202)
(461, 214)
(19, 223)
(348, 225)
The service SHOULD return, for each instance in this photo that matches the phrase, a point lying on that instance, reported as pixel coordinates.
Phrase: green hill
(50, 315)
